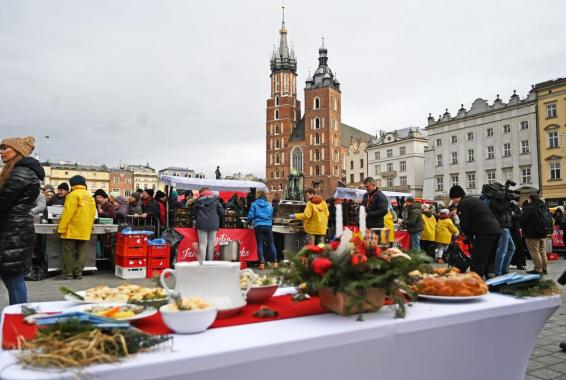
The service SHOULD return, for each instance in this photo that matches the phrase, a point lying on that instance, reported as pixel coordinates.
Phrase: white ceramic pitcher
(215, 281)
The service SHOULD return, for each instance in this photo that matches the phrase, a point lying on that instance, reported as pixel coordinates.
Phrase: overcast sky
(184, 83)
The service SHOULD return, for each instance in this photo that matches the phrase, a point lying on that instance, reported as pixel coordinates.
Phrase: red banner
(188, 248)
(557, 234)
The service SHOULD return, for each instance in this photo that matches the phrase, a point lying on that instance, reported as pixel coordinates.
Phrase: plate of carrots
(117, 311)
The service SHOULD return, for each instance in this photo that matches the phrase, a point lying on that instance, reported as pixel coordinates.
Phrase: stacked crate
(158, 257)
(131, 256)
(181, 217)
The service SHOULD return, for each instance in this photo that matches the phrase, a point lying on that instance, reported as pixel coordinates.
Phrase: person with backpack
(536, 222)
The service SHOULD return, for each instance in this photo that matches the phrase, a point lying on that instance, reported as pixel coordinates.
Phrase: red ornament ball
(358, 259)
(320, 265)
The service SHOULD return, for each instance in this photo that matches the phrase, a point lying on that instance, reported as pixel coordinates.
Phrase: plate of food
(117, 311)
(448, 284)
(262, 287)
(127, 293)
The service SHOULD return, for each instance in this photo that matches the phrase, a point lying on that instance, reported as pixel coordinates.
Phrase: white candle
(362, 221)
(339, 220)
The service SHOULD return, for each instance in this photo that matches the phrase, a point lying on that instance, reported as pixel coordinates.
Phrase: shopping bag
(456, 258)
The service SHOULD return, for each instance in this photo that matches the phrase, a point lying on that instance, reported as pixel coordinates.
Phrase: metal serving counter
(52, 244)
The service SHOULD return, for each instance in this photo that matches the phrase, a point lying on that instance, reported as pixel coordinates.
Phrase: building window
(489, 132)
(128, 181)
(471, 155)
(454, 158)
(454, 179)
(439, 184)
(361, 177)
(276, 114)
(507, 128)
(389, 153)
(550, 111)
(453, 139)
(377, 169)
(352, 178)
(127, 192)
(276, 100)
(276, 129)
(508, 174)
(402, 151)
(403, 180)
(438, 142)
(317, 123)
(524, 125)
(116, 180)
(506, 149)
(390, 166)
(297, 159)
(116, 191)
(277, 144)
(317, 170)
(316, 103)
(389, 182)
(351, 165)
(491, 177)
(377, 155)
(439, 160)
(361, 163)
(525, 147)
(402, 166)
(471, 180)
(555, 170)
(335, 103)
(553, 139)
(316, 139)
(276, 158)
(490, 152)
(317, 155)
(470, 136)
(526, 175)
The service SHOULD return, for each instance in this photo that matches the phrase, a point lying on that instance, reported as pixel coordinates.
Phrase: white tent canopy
(186, 183)
(358, 194)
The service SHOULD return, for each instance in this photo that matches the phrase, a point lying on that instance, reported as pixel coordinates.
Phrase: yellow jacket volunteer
(429, 227)
(389, 224)
(78, 214)
(445, 229)
(315, 216)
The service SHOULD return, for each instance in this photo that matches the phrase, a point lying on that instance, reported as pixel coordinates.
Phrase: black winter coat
(209, 211)
(531, 221)
(152, 209)
(17, 198)
(476, 219)
(376, 207)
(502, 211)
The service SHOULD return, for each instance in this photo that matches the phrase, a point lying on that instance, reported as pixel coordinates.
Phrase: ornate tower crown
(323, 76)
(283, 58)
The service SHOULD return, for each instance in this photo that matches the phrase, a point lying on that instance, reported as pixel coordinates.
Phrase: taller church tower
(282, 113)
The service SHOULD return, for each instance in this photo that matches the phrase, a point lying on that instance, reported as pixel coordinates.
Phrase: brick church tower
(323, 129)
(282, 113)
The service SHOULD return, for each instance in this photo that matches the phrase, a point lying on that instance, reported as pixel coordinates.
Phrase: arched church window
(297, 159)
(316, 139)
(317, 155)
(276, 158)
(316, 103)
(317, 123)
(276, 114)
(276, 100)
(317, 170)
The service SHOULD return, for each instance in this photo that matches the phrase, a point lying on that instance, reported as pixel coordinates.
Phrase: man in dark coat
(150, 207)
(532, 224)
(478, 225)
(20, 182)
(208, 214)
(59, 198)
(414, 222)
(375, 203)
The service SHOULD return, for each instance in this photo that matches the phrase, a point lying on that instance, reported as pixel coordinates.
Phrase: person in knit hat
(478, 225)
(59, 198)
(134, 204)
(75, 228)
(105, 208)
(20, 183)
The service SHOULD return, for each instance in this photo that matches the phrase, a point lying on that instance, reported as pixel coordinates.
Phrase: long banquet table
(490, 338)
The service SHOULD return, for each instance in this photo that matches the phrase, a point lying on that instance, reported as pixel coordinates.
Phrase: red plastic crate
(154, 272)
(130, 261)
(135, 240)
(158, 250)
(122, 250)
(162, 262)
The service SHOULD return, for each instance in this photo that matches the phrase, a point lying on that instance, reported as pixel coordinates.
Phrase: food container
(188, 321)
(230, 251)
(258, 294)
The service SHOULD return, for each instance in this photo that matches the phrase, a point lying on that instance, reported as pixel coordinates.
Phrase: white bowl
(188, 321)
(258, 294)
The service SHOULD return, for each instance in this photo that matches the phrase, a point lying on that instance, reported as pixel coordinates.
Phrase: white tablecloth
(489, 338)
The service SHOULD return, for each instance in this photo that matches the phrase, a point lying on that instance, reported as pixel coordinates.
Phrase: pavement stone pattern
(547, 360)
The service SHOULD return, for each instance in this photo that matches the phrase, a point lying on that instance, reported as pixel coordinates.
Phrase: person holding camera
(501, 209)
(477, 224)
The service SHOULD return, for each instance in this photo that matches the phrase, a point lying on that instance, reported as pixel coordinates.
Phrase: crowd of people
(498, 231)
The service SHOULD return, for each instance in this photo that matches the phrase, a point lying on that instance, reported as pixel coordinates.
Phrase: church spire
(283, 58)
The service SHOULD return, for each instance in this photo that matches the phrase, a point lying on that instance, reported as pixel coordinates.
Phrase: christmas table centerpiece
(354, 275)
